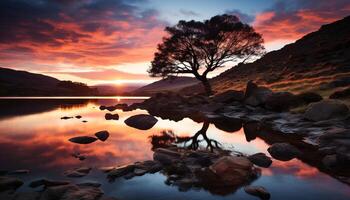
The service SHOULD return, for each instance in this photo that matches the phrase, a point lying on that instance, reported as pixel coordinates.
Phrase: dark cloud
(189, 13)
(244, 17)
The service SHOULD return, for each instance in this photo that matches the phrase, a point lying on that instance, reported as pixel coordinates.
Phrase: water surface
(34, 137)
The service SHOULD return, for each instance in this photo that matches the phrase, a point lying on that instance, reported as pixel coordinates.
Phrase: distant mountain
(114, 89)
(173, 84)
(318, 61)
(22, 83)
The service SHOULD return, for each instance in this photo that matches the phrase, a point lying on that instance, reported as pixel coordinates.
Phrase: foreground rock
(71, 192)
(102, 135)
(283, 151)
(255, 95)
(260, 159)
(47, 183)
(325, 110)
(83, 139)
(142, 121)
(9, 183)
(258, 191)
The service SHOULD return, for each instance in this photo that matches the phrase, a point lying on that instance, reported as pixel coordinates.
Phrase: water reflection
(34, 137)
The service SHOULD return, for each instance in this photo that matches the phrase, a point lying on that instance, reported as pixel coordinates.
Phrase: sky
(113, 41)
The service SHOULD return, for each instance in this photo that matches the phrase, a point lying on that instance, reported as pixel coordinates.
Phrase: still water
(33, 137)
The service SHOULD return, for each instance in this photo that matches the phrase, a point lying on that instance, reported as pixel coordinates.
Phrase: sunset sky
(111, 41)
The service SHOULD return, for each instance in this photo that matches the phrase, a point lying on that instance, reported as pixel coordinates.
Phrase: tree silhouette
(197, 48)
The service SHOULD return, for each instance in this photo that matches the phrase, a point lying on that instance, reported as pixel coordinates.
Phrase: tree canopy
(194, 47)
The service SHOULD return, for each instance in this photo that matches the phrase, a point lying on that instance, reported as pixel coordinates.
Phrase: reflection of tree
(168, 138)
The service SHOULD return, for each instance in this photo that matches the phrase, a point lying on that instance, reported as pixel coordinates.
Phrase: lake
(34, 137)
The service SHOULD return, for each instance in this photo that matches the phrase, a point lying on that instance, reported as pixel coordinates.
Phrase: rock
(102, 135)
(326, 109)
(47, 183)
(166, 156)
(140, 172)
(77, 173)
(9, 183)
(78, 117)
(107, 169)
(19, 171)
(283, 151)
(254, 95)
(229, 96)
(327, 150)
(251, 130)
(78, 156)
(330, 161)
(27, 196)
(341, 94)
(232, 170)
(109, 116)
(84, 121)
(102, 107)
(121, 171)
(258, 191)
(280, 101)
(111, 108)
(71, 192)
(141, 121)
(227, 124)
(83, 139)
(309, 97)
(260, 159)
(65, 118)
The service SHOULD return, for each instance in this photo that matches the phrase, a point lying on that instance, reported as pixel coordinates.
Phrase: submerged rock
(109, 116)
(141, 121)
(9, 183)
(102, 135)
(283, 151)
(47, 183)
(83, 139)
(260, 159)
(258, 191)
(326, 109)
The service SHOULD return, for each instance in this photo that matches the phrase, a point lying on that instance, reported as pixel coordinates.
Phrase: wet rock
(102, 107)
(83, 139)
(79, 156)
(227, 124)
(111, 108)
(19, 171)
(71, 192)
(280, 101)
(65, 118)
(109, 116)
(47, 183)
(121, 106)
(140, 172)
(330, 161)
(121, 171)
(260, 159)
(309, 97)
(9, 183)
(229, 96)
(326, 109)
(102, 135)
(258, 191)
(232, 170)
(27, 196)
(78, 116)
(251, 130)
(166, 156)
(141, 121)
(255, 95)
(283, 151)
(107, 169)
(78, 172)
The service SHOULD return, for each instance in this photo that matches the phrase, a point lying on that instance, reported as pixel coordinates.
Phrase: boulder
(283, 151)
(260, 159)
(109, 116)
(258, 191)
(281, 101)
(166, 156)
(255, 95)
(141, 121)
(326, 109)
(309, 97)
(251, 130)
(227, 124)
(232, 170)
(229, 96)
(83, 139)
(9, 183)
(102, 135)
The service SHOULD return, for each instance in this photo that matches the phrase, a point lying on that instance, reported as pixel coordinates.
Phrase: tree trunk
(207, 86)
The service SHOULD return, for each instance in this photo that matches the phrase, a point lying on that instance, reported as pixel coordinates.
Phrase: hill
(22, 83)
(320, 61)
(173, 84)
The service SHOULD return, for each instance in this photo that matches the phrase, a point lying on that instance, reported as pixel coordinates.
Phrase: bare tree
(197, 48)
